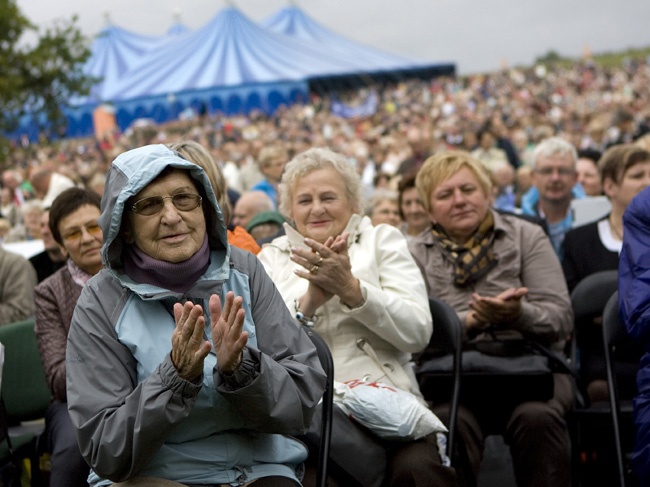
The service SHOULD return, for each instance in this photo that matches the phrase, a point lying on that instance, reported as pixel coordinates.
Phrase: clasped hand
(503, 308)
(329, 272)
(189, 348)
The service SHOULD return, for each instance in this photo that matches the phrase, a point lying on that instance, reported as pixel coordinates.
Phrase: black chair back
(614, 333)
(325, 356)
(446, 339)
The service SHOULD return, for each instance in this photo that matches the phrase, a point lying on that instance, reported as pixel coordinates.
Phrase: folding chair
(588, 300)
(327, 363)
(25, 393)
(614, 336)
(446, 340)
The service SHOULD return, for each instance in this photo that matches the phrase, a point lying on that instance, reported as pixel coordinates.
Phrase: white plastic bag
(390, 413)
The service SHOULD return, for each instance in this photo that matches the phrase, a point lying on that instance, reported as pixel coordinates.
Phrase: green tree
(40, 76)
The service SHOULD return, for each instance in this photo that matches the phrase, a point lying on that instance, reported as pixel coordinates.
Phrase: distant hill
(605, 59)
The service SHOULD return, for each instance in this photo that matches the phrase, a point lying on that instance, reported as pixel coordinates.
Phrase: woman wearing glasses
(184, 365)
(73, 223)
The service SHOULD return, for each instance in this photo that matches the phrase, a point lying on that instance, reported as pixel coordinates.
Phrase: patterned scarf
(475, 258)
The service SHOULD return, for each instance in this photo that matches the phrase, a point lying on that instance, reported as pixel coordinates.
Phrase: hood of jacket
(131, 172)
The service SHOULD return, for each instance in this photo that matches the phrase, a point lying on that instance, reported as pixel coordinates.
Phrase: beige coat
(374, 341)
(525, 259)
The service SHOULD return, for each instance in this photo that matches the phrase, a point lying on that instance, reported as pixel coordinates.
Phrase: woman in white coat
(358, 286)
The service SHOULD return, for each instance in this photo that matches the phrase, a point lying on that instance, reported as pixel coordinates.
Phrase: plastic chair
(590, 454)
(25, 394)
(588, 300)
(446, 339)
(325, 357)
(615, 334)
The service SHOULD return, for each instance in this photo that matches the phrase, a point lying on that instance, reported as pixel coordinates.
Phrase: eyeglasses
(154, 204)
(562, 171)
(74, 234)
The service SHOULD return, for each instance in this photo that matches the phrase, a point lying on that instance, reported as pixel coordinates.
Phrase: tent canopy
(231, 65)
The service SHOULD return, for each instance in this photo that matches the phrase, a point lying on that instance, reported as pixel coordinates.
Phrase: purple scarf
(178, 277)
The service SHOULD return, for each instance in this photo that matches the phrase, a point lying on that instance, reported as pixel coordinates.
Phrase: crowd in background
(515, 122)
(507, 111)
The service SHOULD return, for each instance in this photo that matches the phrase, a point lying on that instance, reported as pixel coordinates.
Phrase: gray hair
(312, 160)
(554, 146)
(31, 206)
(379, 195)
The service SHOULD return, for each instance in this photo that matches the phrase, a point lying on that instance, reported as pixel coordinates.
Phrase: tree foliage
(40, 76)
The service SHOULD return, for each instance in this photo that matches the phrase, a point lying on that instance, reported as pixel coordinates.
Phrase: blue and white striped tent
(230, 65)
(293, 22)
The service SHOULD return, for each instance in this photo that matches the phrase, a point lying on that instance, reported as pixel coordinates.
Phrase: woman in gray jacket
(183, 362)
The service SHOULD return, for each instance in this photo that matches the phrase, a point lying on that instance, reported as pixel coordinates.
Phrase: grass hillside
(605, 59)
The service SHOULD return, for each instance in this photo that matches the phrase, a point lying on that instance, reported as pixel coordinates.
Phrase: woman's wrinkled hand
(328, 267)
(227, 335)
(189, 349)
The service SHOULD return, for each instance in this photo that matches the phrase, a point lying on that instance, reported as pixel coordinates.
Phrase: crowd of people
(181, 300)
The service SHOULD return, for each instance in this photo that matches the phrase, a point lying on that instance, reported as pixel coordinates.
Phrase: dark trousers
(69, 469)
(535, 431)
(410, 464)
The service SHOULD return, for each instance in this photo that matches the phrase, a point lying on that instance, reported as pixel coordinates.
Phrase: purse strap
(556, 361)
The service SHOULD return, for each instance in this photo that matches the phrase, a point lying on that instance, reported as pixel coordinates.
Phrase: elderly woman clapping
(502, 277)
(184, 365)
(358, 286)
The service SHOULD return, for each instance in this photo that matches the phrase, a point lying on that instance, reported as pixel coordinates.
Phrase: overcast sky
(477, 35)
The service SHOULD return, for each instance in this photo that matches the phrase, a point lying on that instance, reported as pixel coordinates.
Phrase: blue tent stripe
(231, 63)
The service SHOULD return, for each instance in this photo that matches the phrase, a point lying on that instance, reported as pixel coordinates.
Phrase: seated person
(249, 204)
(17, 282)
(503, 178)
(52, 258)
(383, 207)
(271, 161)
(415, 219)
(625, 172)
(358, 286)
(183, 362)
(265, 226)
(73, 222)
(30, 226)
(588, 174)
(634, 305)
(499, 272)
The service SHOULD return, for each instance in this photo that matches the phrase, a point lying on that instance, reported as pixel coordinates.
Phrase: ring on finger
(314, 269)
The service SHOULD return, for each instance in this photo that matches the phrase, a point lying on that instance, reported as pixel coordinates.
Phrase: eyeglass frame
(549, 170)
(76, 233)
(199, 202)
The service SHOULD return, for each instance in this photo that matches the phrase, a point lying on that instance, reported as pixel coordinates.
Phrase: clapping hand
(503, 308)
(329, 272)
(189, 349)
(227, 335)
